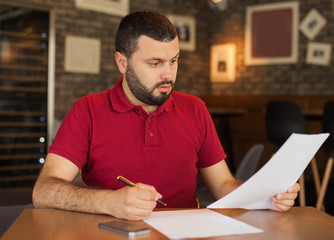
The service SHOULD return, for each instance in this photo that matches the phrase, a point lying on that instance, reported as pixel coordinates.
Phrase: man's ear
(121, 62)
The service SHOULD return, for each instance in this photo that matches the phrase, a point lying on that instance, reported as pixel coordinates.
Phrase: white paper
(276, 176)
(196, 224)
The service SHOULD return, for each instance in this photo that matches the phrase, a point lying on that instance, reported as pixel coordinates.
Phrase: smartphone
(127, 228)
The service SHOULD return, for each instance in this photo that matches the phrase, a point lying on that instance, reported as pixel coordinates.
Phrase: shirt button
(151, 134)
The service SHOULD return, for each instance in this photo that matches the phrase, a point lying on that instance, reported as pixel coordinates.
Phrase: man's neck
(133, 100)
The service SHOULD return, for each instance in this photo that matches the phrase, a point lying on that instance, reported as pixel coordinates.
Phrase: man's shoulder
(186, 99)
(95, 97)
(188, 103)
(93, 102)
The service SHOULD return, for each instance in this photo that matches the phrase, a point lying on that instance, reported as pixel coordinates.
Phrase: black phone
(127, 228)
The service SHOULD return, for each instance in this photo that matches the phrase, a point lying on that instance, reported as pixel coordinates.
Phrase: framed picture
(319, 53)
(312, 24)
(222, 63)
(82, 55)
(114, 7)
(271, 33)
(186, 30)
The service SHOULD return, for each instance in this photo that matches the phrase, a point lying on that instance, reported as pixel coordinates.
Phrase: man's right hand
(53, 189)
(132, 203)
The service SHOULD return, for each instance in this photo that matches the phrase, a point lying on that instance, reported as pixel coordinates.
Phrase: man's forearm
(51, 192)
(229, 186)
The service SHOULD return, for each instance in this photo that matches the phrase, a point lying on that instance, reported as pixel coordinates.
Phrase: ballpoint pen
(131, 184)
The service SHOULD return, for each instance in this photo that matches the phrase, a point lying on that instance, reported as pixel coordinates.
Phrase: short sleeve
(211, 150)
(73, 137)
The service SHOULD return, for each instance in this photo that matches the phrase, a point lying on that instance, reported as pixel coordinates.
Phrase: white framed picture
(186, 30)
(114, 7)
(82, 55)
(271, 33)
(319, 53)
(312, 24)
(222, 63)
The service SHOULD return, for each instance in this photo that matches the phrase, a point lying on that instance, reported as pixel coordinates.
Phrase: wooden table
(299, 223)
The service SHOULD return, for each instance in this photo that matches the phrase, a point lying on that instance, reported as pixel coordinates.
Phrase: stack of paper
(196, 224)
(281, 172)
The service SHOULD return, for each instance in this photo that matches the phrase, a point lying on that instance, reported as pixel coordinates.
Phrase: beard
(143, 93)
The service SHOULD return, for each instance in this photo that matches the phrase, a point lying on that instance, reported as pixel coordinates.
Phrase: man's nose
(167, 72)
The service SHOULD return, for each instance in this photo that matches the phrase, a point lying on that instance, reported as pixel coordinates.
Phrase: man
(142, 130)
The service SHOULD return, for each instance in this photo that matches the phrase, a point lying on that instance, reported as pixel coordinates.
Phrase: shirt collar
(121, 104)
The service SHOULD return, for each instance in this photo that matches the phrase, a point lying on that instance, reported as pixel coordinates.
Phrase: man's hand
(133, 203)
(284, 201)
(53, 189)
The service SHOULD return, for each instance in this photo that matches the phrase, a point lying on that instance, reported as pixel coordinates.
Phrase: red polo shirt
(106, 136)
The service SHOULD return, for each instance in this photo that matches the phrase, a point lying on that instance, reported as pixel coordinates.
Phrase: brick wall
(193, 76)
(288, 79)
(78, 22)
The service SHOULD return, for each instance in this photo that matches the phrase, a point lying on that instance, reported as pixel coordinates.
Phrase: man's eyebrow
(178, 54)
(160, 59)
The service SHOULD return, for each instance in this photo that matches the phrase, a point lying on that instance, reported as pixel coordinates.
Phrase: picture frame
(186, 29)
(271, 33)
(82, 54)
(113, 7)
(222, 63)
(312, 24)
(318, 53)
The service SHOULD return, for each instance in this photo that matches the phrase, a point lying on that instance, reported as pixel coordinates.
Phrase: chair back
(249, 162)
(282, 119)
(328, 121)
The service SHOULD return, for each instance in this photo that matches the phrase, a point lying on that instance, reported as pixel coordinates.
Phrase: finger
(127, 204)
(143, 213)
(135, 198)
(151, 188)
(143, 209)
(294, 188)
(137, 208)
(282, 206)
(146, 204)
(283, 202)
(288, 203)
(143, 198)
(138, 214)
(286, 196)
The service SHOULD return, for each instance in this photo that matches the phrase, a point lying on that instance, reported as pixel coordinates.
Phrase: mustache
(164, 83)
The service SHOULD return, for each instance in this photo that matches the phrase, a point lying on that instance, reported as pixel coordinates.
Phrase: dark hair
(134, 25)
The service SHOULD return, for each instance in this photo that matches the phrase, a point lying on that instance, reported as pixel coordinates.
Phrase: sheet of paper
(279, 173)
(196, 224)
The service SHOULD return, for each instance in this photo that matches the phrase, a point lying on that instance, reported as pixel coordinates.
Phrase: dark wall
(193, 76)
(287, 79)
(72, 21)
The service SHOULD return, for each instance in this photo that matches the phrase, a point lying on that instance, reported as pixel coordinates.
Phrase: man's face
(151, 70)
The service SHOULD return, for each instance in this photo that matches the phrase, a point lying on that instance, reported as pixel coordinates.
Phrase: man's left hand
(282, 202)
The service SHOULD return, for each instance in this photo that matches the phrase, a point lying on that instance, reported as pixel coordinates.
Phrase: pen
(131, 184)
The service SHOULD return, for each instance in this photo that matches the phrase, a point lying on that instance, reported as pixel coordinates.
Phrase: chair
(282, 119)
(249, 162)
(328, 126)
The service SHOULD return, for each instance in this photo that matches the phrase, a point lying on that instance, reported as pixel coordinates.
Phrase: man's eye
(173, 61)
(154, 64)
